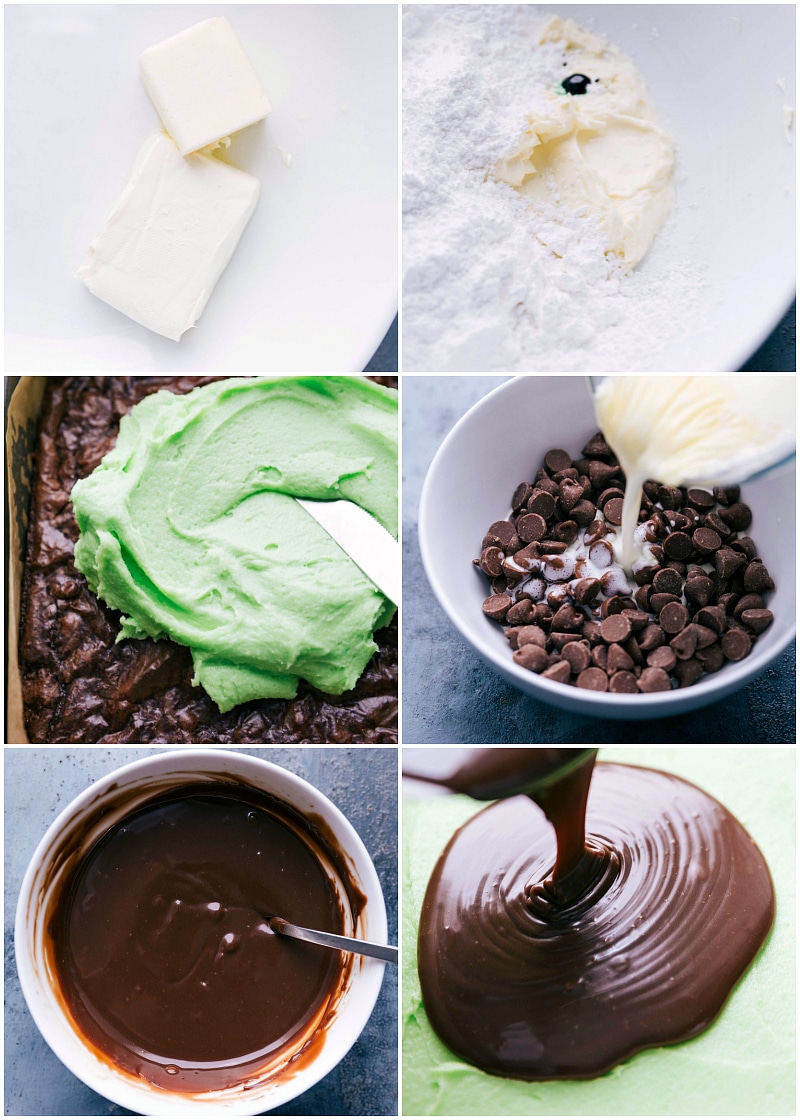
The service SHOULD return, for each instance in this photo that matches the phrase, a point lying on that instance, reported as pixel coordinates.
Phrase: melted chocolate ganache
(162, 947)
(565, 930)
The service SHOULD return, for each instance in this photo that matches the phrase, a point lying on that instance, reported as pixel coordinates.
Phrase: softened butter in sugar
(203, 85)
(169, 237)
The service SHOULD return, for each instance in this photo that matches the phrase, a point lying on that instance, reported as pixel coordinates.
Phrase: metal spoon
(493, 772)
(334, 940)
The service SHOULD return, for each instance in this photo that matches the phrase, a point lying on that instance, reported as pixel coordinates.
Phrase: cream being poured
(699, 431)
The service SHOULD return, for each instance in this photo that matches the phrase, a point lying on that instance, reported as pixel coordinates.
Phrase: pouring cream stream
(692, 431)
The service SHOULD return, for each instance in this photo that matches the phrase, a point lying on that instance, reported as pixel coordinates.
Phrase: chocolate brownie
(79, 685)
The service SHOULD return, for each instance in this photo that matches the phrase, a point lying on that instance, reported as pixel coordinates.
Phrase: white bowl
(92, 812)
(501, 442)
(713, 71)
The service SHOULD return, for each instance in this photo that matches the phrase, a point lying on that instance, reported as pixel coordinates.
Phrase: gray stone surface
(384, 360)
(450, 695)
(40, 782)
(778, 353)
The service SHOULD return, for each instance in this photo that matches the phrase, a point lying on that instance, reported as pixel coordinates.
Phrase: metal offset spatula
(364, 539)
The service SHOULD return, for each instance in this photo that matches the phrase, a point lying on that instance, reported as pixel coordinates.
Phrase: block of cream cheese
(203, 85)
(169, 237)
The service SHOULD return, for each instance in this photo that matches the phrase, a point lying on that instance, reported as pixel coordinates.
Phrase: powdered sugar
(481, 291)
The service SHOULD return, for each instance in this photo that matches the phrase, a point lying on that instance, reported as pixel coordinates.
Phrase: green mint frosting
(190, 528)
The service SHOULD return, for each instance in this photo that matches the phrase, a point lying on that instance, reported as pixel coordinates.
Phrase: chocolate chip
(569, 493)
(618, 659)
(728, 601)
(531, 527)
(607, 495)
(492, 561)
(559, 640)
(583, 513)
(531, 657)
(670, 497)
(601, 474)
(530, 635)
(591, 632)
(667, 580)
(746, 546)
(568, 473)
(542, 503)
(552, 548)
(496, 606)
(699, 590)
(557, 460)
(757, 620)
(521, 613)
(528, 558)
(585, 590)
(600, 657)
(654, 680)
(651, 637)
(706, 541)
(711, 658)
(673, 617)
(499, 585)
(712, 617)
(565, 531)
(595, 532)
(557, 569)
(560, 672)
(594, 679)
(750, 602)
(601, 554)
(678, 546)
(614, 605)
(616, 628)
(662, 658)
(739, 516)
(521, 496)
(638, 619)
(727, 561)
(502, 532)
(715, 522)
(757, 578)
(642, 597)
(684, 643)
(735, 645)
(706, 636)
(688, 672)
(613, 511)
(726, 495)
(597, 448)
(567, 618)
(623, 682)
(659, 600)
(546, 483)
(700, 499)
(578, 656)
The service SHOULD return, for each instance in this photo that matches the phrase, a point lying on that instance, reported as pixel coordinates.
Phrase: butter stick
(202, 85)
(169, 237)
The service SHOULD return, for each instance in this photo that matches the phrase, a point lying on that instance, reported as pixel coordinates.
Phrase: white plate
(312, 286)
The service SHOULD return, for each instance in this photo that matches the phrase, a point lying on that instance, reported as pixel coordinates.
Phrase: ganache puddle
(161, 943)
(607, 909)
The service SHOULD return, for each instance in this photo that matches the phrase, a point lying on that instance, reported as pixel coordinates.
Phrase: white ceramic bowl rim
(610, 705)
(353, 1008)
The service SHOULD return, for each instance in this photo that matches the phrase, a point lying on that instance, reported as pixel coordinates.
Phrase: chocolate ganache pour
(611, 909)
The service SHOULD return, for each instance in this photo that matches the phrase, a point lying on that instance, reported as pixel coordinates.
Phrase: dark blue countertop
(39, 783)
(384, 360)
(450, 695)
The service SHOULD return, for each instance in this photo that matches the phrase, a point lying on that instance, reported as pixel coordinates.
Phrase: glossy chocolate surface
(539, 965)
(164, 956)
